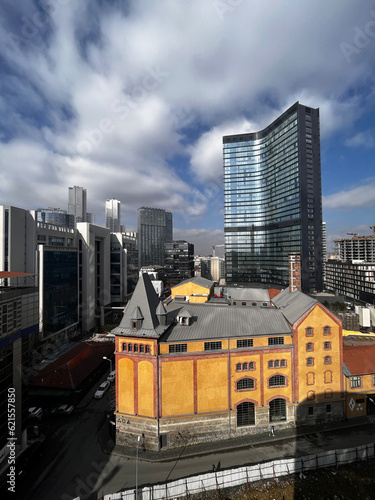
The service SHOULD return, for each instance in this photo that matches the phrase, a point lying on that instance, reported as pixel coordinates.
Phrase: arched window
(245, 383)
(277, 410)
(277, 381)
(245, 414)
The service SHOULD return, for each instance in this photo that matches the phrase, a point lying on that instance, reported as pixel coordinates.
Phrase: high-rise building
(54, 216)
(155, 228)
(78, 203)
(113, 215)
(272, 200)
(179, 261)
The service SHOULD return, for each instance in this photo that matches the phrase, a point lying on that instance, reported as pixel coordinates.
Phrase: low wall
(237, 477)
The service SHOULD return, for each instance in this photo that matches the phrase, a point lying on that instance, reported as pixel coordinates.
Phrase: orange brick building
(188, 372)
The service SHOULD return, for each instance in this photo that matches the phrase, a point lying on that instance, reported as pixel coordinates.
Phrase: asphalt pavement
(229, 445)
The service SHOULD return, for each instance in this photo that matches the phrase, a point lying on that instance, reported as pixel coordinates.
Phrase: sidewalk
(250, 441)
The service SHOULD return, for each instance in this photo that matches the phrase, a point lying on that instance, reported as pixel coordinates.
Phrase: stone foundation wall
(194, 429)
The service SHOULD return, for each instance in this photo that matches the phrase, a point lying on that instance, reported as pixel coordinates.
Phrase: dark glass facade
(179, 262)
(60, 290)
(155, 228)
(272, 200)
(55, 217)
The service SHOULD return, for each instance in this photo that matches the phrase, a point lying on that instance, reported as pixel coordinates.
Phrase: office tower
(55, 216)
(272, 200)
(155, 228)
(78, 203)
(113, 215)
(17, 242)
(179, 261)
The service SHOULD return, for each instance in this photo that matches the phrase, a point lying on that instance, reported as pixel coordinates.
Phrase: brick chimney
(294, 271)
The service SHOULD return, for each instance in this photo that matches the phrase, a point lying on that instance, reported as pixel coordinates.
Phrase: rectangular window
(310, 361)
(130, 347)
(276, 340)
(328, 409)
(355, 382)
(270, 364)
(212, 346)
(245, 343)
(327, 345)
(251, 367)
(141, 348)
(124, 346)
(309, 332)
(135, 347)
(283, 363)
(327, 330)
(147, 347)
(177, 348)
(277, 363)
(311, 410)
(373, 380)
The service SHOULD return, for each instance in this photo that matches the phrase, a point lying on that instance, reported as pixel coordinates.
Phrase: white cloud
(106, 99)
(361, 196)
(365, 139)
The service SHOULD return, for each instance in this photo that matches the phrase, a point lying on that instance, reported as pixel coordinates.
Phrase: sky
(130, 99)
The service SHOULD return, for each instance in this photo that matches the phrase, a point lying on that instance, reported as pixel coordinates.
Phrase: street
(74, 463)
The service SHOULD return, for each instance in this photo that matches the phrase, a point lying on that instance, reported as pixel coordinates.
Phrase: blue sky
(130, 99)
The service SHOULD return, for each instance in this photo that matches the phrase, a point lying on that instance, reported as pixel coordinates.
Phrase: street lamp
(110, 361)
(136, 470)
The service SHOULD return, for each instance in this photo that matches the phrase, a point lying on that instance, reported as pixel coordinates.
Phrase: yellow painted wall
(318, 319)
(125, 376)
(254, 394)
(199, 346)
(212, 384)
(271, 392)
(145, 389)
(177, 387)
(189, 289)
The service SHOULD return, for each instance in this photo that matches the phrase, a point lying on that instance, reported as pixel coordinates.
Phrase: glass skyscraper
(113, 215)
(155, 228)
(272, 200)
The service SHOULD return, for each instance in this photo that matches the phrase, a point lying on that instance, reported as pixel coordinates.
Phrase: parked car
(62, 410)
(35, 412)
(111, 377)
(102, 389)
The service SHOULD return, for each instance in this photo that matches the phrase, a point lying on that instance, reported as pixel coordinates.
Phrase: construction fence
(244, 475)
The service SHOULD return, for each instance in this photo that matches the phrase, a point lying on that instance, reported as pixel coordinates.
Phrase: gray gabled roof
(198, 280)
(221, 322)
(258, 294)
(144, 304)
(293, 305)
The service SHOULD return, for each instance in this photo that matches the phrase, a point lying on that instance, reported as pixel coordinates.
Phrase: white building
(113, 215)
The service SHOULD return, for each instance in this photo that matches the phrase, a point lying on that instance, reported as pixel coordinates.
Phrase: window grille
(277, 381)
(212, 346)
(245, 414)
(277, 410)
(244, 384)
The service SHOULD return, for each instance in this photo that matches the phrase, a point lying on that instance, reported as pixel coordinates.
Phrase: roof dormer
(184, 317)
(136, 319)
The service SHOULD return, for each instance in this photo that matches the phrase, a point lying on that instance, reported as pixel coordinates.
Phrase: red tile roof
(272, 292)
(360, 359)
(73, 367)
(9, 274)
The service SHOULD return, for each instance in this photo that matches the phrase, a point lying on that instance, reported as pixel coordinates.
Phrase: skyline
(130, 100)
